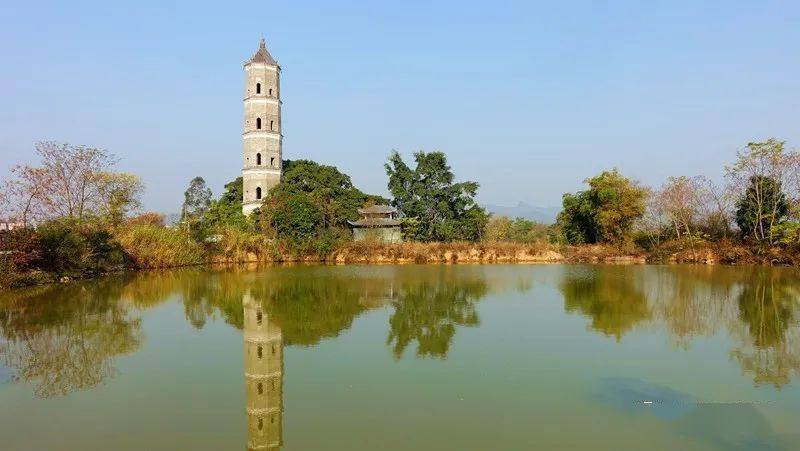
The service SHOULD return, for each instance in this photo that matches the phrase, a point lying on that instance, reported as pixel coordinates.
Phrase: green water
(467, 357)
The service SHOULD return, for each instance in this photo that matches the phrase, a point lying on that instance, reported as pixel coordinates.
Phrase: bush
(149, 246)
(71, 248)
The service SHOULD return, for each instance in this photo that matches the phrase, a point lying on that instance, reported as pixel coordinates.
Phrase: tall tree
(762, 207)
(196, 200)
(446, 210)
(606, 212)
(762, 172)
(227, 210)
(682, 200)
(70, 181)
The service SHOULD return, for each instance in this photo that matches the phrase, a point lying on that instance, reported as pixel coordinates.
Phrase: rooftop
(377, 209)
(262, 55)
(375, 222)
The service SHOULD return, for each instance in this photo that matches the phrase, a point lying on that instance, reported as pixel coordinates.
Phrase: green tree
(760, 175)
(762, 207)
(197, 199)
(606, 212)
(446, 210)
(331, 190)
(295, 216)
(227, 210)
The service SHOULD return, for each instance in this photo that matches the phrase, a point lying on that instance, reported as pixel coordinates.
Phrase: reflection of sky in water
(724, 426)
(630, 395)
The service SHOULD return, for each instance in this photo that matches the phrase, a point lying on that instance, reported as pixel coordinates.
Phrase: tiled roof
(377, 209)
(375, 222)
(262, 55)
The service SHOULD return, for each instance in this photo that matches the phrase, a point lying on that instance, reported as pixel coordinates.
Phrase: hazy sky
(527, 99)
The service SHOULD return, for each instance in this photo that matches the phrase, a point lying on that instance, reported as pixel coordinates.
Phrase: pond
(464, 357)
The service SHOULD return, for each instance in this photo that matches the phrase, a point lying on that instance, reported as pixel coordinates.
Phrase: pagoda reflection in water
(263, 377)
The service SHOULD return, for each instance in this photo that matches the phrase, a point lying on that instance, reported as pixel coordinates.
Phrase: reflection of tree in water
(305, 303)
(691, 300)
(64, 338)
(610, 296)
(771, 348)
(313, 303)
(428, 311)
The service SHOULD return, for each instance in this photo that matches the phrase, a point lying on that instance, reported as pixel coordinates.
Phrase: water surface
(506, 357)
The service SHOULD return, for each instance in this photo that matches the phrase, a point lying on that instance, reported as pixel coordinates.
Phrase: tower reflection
(263, 377)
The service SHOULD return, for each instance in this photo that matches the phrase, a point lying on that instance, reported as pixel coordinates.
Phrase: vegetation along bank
(74, 215)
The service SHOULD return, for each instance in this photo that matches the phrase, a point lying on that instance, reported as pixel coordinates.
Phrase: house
(377, 223)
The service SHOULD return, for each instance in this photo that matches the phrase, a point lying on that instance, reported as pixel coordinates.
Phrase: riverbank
(673, 252)
(139, 254)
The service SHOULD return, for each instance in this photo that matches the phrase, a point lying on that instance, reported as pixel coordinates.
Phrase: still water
(469, 357)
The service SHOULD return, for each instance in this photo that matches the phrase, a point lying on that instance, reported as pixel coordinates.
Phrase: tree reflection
(428, 311)
(768, 311)
(65, 338)
(610, 296)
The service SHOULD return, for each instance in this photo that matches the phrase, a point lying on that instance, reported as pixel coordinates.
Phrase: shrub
(68, 247)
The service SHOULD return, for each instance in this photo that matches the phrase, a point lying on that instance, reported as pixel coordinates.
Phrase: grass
(151, 246)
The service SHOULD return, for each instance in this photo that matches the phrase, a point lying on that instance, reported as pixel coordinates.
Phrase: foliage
(787, 233)
(226, 211)
(446, 210)
(150, 246)
(68, 247)
(122, 192)
(762, 207)
(518, 230)
(309, 209)
(326, 186)
(760, 178)
(75, 182)
(606, 212)
(196, 200)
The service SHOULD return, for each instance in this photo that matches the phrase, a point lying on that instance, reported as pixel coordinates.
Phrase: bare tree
(70, 181)
(682, 200)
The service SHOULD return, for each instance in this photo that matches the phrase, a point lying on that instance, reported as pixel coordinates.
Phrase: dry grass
(151, 246)
(454, 252)
(237, 246)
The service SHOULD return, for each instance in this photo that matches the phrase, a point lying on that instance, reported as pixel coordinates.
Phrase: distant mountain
(546, 215)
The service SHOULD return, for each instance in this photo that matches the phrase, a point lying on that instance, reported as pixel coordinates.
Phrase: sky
(526, 98)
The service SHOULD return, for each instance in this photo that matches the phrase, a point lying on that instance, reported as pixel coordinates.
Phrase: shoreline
(409, 253)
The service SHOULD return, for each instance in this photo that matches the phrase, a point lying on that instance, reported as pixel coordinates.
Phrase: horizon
(526, 100)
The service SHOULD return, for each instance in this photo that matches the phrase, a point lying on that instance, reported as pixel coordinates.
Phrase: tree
(122, 192)
(446, 210)
(498, 229)
(606, 212)
(227, 210)
(74, 182)
(296, 216)
(762, 207)
(309, 209)
(682, 201)
(758, 178)
(196, 200)
(332, 190)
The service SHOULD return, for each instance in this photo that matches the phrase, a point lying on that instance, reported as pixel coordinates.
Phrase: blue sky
(526, 98)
